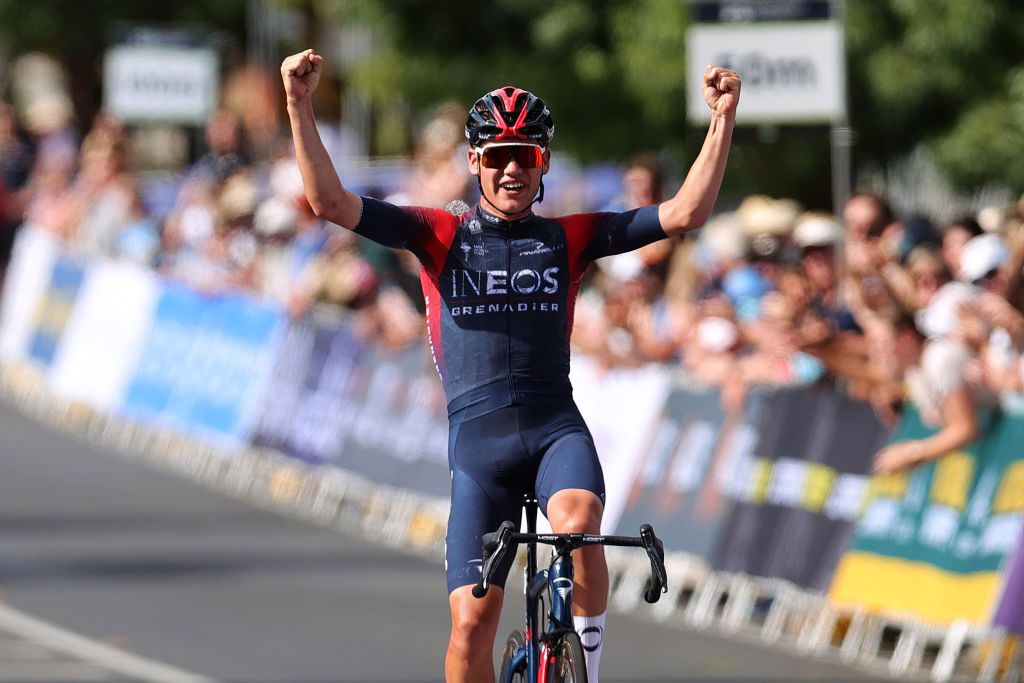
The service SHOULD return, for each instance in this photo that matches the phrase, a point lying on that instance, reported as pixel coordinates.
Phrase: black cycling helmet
(509, 114)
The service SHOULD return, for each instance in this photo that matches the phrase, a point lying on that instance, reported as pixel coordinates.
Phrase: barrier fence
(757, 509)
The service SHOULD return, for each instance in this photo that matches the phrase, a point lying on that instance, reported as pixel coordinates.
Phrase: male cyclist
(500, 283)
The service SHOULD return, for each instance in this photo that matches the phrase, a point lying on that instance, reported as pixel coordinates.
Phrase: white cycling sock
(591, 632)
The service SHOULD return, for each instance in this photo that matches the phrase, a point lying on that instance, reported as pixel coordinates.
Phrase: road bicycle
(554, 654)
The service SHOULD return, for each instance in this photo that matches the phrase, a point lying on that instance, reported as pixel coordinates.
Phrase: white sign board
(160, 84)
(792, 72)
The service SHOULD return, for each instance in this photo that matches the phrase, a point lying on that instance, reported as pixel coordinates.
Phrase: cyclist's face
(510, 175)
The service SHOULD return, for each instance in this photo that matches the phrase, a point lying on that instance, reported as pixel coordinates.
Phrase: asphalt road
(158, 566)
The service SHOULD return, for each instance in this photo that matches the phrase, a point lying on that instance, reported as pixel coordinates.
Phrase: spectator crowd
(891, 307)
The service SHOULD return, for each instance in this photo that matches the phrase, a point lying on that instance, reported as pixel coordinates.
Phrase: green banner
(933, 540)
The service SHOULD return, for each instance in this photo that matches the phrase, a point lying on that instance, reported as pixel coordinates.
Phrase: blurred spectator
(642, 181)
(954, 239)
(289, 233)
(338, 276)
(16, 158)
(991, 325)
(100, 198)
(216, 249)
(139, 239)
(438, 177)
(937, 365)
(224, 155)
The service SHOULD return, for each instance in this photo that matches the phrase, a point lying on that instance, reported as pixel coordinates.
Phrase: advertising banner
(204, 363)
(797, 504)
(25, 283)
(102, 343)
(681, 482)
(619, 406)
(334, 398)
(932, 540)
(54, 309)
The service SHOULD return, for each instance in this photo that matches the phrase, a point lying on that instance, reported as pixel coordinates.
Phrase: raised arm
(692, 205)
(327, 196)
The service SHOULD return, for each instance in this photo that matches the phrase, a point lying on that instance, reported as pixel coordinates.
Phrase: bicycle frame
(557, 582)
(559, 578)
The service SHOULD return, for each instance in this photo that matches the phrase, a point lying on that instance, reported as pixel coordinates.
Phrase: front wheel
(570, 666)
(516, 641)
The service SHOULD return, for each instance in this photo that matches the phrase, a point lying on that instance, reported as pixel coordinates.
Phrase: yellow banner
(883, 583)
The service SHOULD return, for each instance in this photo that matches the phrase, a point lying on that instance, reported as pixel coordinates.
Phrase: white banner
(100, 347)
(792, 72)
(620, 408)
(166, 84)
(28, 277)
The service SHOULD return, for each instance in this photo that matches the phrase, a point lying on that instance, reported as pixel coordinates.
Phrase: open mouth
(513, 187)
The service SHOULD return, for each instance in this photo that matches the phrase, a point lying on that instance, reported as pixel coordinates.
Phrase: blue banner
(204, 363)
(54, 310)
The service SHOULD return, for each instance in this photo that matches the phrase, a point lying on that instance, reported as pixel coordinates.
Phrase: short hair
(967, 223)
(648, 161)
(885, 214)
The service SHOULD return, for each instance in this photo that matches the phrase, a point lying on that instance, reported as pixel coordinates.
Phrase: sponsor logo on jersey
(477, 283)
(477, 249)
(539, 247)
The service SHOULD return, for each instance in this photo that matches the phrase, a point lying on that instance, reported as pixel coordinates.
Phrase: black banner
(812, 460)
(335, 398)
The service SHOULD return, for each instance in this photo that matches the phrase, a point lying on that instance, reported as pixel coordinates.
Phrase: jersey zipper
(509, 314)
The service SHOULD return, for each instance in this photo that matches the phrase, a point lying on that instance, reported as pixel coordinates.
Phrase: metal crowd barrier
(770, 611)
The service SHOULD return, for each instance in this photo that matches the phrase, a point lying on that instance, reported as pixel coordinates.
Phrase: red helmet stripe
(509, 100)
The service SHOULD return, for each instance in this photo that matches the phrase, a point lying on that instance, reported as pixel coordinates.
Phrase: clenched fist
(301, 74)
(721, 90)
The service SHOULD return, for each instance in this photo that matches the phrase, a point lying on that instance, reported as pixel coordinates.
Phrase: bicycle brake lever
(494, 546)
(656, 553)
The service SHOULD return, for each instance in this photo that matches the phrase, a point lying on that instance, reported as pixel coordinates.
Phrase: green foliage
(612, 71)
(942, 73)
(65, 28)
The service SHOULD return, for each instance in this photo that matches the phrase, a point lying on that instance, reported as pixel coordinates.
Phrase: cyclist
(500, 284)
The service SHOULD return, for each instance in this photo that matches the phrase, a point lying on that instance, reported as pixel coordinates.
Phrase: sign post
(160, 77)
(791, 58)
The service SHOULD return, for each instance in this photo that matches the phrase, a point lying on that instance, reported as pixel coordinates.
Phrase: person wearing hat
(991, 325)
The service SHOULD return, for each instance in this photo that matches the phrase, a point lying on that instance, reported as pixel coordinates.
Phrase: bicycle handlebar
(496, 545)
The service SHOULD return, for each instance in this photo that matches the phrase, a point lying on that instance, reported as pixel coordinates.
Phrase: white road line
(110, 658)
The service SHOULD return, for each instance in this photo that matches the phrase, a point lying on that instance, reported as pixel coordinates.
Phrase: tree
(942, 73)
(612, 71)
(78, 33)
(946, 74)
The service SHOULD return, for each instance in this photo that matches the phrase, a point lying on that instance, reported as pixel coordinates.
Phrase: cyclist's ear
(473, 159)
(547, 162)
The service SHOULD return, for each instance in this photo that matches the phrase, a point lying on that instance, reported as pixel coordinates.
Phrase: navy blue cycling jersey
(500, 294)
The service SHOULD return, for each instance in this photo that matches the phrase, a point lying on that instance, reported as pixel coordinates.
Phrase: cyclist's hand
(721, 90)
(301, 74)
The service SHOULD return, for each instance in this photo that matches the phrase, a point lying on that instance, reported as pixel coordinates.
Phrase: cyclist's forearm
(692, 205)
(327, 196)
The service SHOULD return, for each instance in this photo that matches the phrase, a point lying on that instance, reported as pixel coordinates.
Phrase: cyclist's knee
(474, 621)
(575, 510)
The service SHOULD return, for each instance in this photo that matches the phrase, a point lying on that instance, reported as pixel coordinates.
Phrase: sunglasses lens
(499, 156)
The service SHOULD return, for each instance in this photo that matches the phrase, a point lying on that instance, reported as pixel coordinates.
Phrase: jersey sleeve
(428, 233)
(595, 235)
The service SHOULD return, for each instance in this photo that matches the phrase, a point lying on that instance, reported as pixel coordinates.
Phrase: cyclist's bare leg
(474, 625)
(578, 510)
